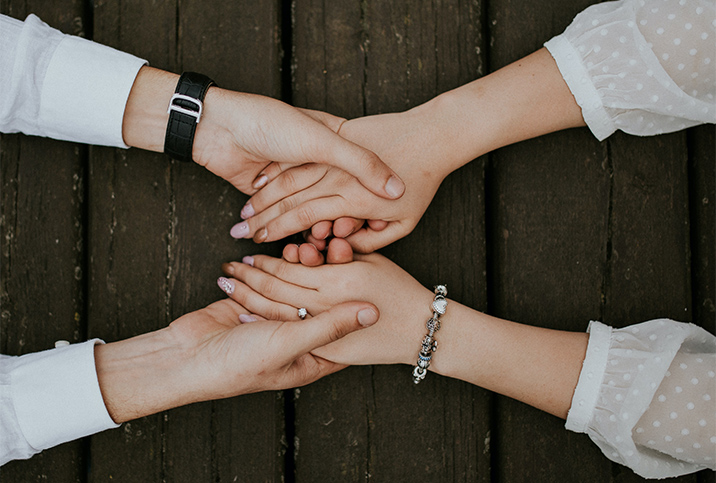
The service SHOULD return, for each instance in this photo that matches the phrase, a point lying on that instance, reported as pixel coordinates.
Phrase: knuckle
(334, 332)
(268, 285)
(274, 313)
(287, 204)
(306, 216)
(369, 161)
(281, 270)
(288, 181)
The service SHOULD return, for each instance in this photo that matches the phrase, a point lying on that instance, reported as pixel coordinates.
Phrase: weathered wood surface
(554, 232)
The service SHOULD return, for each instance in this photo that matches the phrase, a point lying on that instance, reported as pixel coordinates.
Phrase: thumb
(367, 240)
(365, 165)
(333, 324)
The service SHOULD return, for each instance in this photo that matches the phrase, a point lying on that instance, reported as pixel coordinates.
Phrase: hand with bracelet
(562, 373)
(537, 366)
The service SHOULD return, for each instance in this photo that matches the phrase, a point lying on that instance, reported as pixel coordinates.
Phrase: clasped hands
(299, 172)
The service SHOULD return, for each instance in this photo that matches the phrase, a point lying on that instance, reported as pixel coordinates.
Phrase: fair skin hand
(534, 365)
(210, 354)
(240, 134)
(423, 145)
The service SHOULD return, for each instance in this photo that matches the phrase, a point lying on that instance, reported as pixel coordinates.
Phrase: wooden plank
(239, 439)
(42, 264)
(648, 272)
(547, 234)
(361, 424)
(702, 207)
(130, 227)
(702, 178)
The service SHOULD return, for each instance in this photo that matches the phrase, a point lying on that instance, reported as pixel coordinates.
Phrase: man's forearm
(141, 376)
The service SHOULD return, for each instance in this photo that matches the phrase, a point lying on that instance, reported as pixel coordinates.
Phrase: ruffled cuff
(577, 77)
(56, 395)
(622, 371)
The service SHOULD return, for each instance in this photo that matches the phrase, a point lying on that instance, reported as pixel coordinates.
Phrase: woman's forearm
(525, 99)
(537, 366)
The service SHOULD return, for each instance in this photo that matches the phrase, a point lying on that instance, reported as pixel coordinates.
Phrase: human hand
(240, 134)
(273, 288)
(210, 354)
(412, 143)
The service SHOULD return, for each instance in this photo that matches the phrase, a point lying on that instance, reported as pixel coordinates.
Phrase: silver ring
(302, 313)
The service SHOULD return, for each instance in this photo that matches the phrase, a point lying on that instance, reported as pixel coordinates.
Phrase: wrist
(142, 375)
(145, 117)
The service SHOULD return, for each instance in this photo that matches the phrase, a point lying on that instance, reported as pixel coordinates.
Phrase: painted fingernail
(226, 285)
(247, 211)
(394, 187)
(246, 318)
(248, 260)
(240, 230)
(367, 317)
(260, 182)
(261, 235)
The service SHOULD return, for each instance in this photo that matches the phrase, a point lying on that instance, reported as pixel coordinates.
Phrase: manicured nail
(226, 285)
(394, 187)
(261, 235)
(240, 230)
(248, 260)
(367, 317)
(246, 318)
(247, 211)
(260, 182)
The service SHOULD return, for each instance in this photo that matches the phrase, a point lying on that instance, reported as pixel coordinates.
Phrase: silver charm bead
(441, 290)
(439, 305)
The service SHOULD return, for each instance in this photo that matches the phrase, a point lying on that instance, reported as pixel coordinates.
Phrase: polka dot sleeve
(643, 66)
(647, 397)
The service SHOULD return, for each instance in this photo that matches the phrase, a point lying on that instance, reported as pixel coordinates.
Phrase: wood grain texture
(702, 211)
(356, 58)
(42, 265)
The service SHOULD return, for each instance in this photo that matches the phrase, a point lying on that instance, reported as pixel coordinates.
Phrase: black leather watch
(185, 109)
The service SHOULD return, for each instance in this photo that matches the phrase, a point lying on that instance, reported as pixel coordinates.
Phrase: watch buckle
(196, 114)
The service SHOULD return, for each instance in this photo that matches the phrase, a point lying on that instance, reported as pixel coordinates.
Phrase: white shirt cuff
(590, 379)
(85, 92)
(575, 74)
(57, 397)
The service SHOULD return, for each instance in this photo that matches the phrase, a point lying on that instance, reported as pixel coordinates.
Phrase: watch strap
(185, 110)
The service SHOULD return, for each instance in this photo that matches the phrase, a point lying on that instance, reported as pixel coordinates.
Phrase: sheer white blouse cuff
(56, 397)
(635, 410)
(642, 67)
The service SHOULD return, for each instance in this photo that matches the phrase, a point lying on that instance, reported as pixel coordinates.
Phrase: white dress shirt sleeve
(61, 86)
(645, 67)
(48, 398)
(647, 397)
